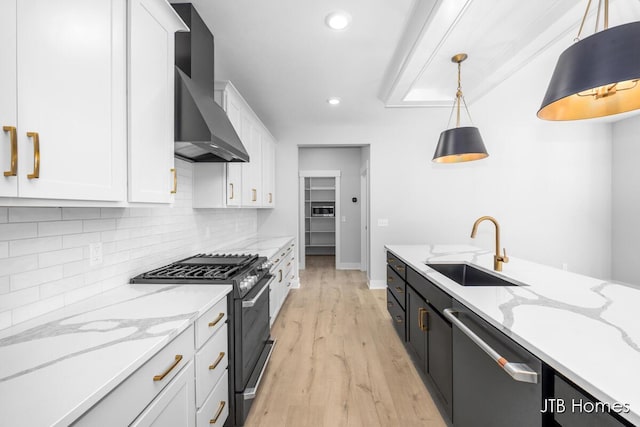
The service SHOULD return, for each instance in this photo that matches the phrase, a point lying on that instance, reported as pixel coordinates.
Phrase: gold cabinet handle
(173, 365)
(400, 290)
(217, 362)
(36, 155)
(232, 195)
(216, 320)
(421, 324)
(270, 198)
(280, 273)
(399, 267)
(175, 181)
(218, 412)
(389, 279)
(288, 264)
(398, 319)
(13, 140)
(254, 195)
(389, 304)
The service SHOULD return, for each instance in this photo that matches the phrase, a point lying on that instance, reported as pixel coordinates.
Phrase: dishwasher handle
(518, 371)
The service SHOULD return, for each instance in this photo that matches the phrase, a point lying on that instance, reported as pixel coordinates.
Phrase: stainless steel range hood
(203, 132)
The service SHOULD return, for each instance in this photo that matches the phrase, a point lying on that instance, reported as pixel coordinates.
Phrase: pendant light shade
(460, 144)
(597, 76)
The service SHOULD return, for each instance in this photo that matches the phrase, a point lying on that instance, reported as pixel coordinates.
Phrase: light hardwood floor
(338, 361)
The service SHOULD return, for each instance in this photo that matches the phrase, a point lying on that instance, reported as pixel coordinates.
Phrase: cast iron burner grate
(203, 267)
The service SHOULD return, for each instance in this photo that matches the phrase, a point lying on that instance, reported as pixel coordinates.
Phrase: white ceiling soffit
(500, 37)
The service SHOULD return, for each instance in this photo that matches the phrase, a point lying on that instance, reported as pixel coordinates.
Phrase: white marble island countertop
(587, 329)
(54, 368)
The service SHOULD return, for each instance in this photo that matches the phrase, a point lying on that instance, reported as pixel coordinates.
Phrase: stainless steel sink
(467, 275)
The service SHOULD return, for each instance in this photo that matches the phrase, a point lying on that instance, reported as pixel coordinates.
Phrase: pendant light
(460, 144)
(597, 76)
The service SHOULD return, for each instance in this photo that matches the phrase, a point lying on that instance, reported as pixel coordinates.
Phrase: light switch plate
(383, 222)
(95, 254)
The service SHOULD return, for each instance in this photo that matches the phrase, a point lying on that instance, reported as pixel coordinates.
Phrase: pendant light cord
(586, 12)
(458, 96)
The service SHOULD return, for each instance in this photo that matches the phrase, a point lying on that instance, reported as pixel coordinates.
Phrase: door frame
(364, 220)
(301, 213)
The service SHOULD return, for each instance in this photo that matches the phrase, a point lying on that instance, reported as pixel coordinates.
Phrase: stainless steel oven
(324, 210)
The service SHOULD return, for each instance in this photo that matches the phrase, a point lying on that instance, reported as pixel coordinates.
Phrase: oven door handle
(250, 393)
(252, 301)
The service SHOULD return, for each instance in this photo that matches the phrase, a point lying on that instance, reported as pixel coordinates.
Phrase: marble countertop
(55, 367)
(585, 328)
(263, 246)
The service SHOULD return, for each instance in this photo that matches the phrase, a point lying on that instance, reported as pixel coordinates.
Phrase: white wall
(626, 201)
(347, 160)
(44, 255)
(548, 183)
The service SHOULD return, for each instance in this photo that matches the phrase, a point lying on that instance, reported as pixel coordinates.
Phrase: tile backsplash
(45, 256)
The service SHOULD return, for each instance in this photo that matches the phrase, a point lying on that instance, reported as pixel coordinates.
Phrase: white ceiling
(286, 62)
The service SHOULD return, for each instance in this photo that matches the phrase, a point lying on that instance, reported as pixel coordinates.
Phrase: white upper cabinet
(70, 75)
(250, 184)
(8, 113)
(152, 27)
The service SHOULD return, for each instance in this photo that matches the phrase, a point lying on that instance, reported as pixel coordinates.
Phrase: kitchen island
(583, 328)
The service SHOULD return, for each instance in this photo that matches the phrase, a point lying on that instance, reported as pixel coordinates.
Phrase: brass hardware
(254, 195)
(270, 198)
(421, 324)
(497, 258)
(217, 415)
(217, 362)
(13, 140)
(399, 289)
(398, 319)
(173, 365)
(391, 260)
(288, 264)
(390, 279)
(282, 254)
(280, 273)
(276, 261)
(458, 59)
(231, 184)
(389, 304)
(36, 155)
(400, 267)
(216, 320)
(175, 181)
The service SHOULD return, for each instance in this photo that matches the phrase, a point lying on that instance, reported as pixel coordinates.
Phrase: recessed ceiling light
(338, 20)
(334, 100)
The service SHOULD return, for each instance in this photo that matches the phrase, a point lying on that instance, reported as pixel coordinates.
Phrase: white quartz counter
(263, 246)
(54, 368)
(585, 328)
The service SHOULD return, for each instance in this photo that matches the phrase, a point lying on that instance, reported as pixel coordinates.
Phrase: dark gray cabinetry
(396, 294)
(483, 393)
(429, 334)
(572, 408)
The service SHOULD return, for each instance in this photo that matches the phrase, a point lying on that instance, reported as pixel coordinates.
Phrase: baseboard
(295, 284)
(348, 266)
(377, 284)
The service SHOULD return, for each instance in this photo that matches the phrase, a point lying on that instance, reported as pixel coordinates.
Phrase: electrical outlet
(95, 254)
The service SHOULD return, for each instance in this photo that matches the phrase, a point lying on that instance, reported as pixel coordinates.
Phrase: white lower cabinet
(174, 405)
(183, 384)
(284, 271)
(215, 409)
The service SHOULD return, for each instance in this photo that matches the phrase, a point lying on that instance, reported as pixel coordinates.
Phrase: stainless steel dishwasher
(496, 382)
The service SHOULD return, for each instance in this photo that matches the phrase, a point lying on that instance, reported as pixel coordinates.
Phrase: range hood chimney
(203, 132)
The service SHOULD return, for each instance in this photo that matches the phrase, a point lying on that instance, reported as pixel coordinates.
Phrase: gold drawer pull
(175, 181)
(220, 408)
(217, 362)
(216, 320)
(36, 155)
(276, 261)
(288, 264)
(421, 323)
(400, 290)
(175, 363)
(254, 194)
(13, 140)
(391, 260)
(270, 198)
(231, 185)
(390, 279)
(389, 304)
(399, 267)
(398, 319)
